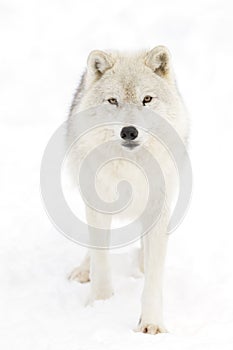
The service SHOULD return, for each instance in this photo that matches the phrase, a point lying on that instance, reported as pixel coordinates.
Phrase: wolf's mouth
(130, 144)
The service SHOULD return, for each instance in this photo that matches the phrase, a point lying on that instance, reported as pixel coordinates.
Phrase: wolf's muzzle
(129, 133)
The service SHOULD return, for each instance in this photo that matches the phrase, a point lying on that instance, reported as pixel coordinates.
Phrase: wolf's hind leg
(82, 272)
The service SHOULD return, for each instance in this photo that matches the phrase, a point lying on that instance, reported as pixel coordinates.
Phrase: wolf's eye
(113, 101)
(147, 99)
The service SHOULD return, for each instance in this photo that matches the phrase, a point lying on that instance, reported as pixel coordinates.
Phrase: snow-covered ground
(44, 45)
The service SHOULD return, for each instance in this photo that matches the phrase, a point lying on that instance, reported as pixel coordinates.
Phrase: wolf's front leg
(100, 272)
(155, 243)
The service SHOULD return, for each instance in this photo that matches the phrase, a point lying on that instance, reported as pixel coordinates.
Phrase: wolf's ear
(98, 62)
(158, 59)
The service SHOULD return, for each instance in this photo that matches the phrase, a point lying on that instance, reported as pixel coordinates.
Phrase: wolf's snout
(129, 133)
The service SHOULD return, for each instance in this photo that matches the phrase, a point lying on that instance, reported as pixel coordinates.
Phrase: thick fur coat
(146, 80)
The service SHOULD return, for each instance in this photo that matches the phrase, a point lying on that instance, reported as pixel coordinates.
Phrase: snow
(44, 45)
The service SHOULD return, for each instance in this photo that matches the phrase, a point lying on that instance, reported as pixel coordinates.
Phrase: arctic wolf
(144, 79)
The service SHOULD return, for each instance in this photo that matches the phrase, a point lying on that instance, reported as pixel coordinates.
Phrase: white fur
(129, 78)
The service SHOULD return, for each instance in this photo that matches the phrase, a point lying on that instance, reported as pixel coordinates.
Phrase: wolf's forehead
(123, 87)
(128, 79)
(126, 88)
(129, 91)
(129, 88)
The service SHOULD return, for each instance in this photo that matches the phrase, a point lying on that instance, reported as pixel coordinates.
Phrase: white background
(43, 51)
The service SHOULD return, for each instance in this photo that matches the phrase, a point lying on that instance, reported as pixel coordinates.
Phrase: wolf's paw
(150, 328)
(99, 297)
(103, 294)
(80, 274)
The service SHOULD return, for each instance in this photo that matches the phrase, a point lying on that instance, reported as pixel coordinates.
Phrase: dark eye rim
(145, 102)
(113, 101)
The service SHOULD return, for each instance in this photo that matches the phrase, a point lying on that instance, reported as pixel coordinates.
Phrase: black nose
(129, 133)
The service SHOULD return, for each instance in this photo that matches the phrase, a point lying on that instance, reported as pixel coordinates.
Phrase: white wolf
(144, 79)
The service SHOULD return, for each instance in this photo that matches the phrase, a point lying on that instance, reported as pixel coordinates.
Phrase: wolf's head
(144, 79)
